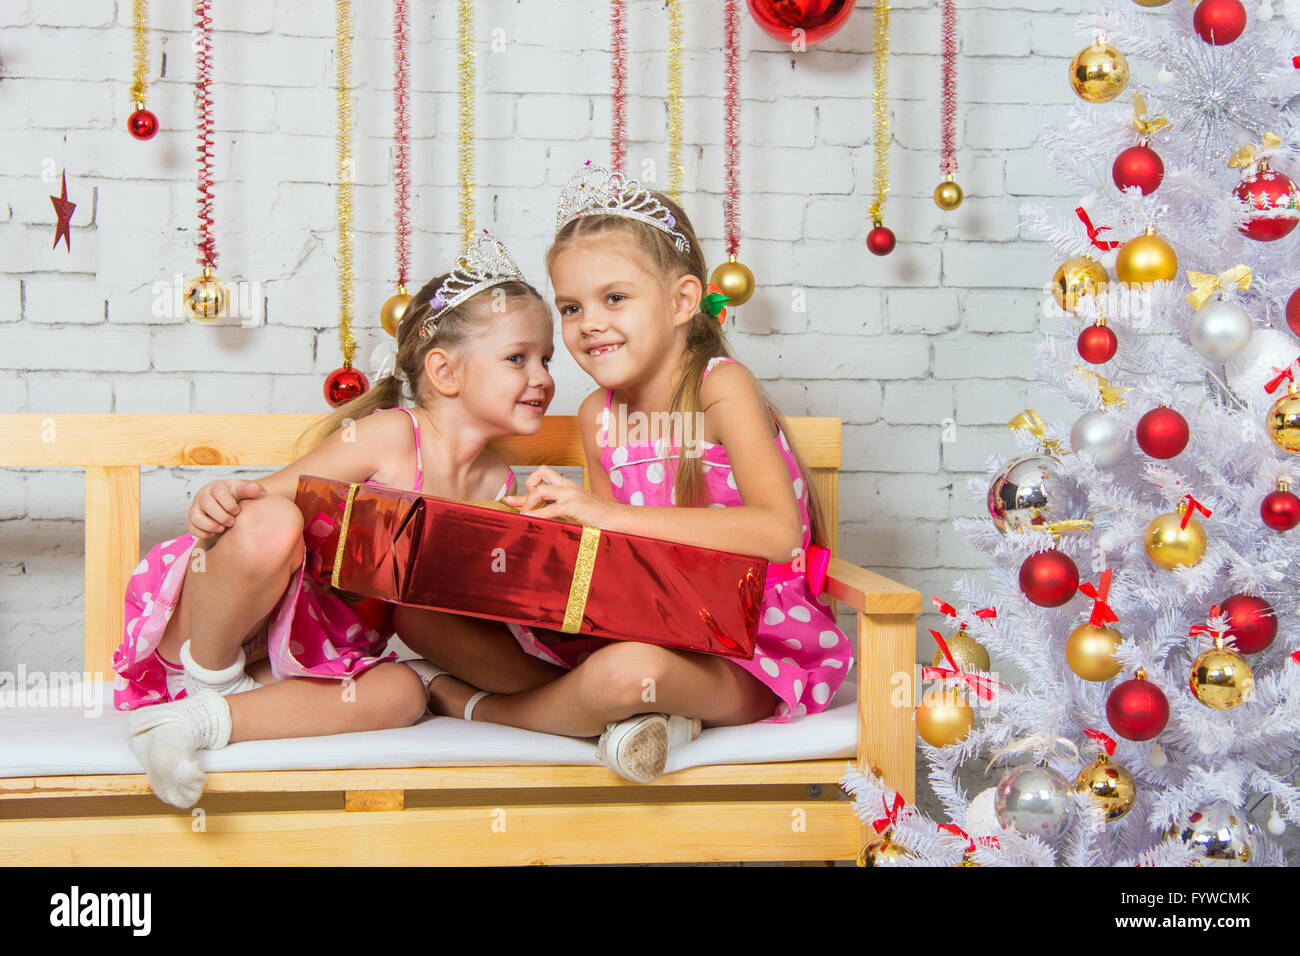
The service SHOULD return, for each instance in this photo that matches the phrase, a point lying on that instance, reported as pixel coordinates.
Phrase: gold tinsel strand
(343, 83)
(466, 48)
(139, 82)
(880, 107)
(675, 100)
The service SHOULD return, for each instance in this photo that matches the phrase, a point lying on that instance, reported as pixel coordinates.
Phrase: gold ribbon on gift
(1029, 421)
(1110, 394)
(1144, 124)
(1248, 155)
(1205, 284)
(1058, 528)
(343, 534)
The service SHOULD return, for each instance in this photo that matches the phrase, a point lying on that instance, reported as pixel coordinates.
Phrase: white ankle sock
(231, 680)
(166, 737)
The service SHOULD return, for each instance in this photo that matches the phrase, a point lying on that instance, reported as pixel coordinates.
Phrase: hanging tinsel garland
(675, 100)
(880, 240)
(618, 85)
(206, 296)
(390, 315)
(465, 47)
(142, 124)
(732, 279)
(948, 195)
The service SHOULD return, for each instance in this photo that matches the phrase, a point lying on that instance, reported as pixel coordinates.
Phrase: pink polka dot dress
(800, 653)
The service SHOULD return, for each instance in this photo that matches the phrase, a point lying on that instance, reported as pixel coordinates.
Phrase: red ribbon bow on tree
(1284, 374)
(943, 607)
(984, 687)
(1107, 742)
(990, 842)
(891, 813)
(1101, 611)
(1093, 231)
(1192, 505)
(1207, 628)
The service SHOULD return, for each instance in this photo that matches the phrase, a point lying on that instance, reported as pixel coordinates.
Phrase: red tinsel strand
(948, 162)
(203, 111)
(401, 140)
(731, 122)
(618, 93)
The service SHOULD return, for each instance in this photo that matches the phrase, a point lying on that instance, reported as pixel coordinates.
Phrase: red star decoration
(63, 209)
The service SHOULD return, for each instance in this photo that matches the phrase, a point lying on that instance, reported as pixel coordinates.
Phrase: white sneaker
(637, 748)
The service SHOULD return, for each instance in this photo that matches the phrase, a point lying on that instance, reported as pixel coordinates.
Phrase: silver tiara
(594, 191)
(484, 264)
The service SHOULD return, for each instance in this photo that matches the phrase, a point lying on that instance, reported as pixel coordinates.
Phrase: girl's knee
(392, 695)
(623, 675)
(266, 537)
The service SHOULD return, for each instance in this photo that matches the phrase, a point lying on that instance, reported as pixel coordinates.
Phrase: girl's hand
(558, 497)
(216, 505)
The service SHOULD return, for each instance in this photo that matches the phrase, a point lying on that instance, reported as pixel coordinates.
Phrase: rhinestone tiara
(484, 264)
(594, 191)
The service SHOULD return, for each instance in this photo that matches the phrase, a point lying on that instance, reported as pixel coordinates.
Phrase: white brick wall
(943, 328)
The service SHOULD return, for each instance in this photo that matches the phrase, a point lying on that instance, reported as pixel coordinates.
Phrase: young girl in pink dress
(629, 278)
(474, 347)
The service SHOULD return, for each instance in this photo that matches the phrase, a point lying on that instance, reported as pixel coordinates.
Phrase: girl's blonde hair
(704, 340)
(454, 327)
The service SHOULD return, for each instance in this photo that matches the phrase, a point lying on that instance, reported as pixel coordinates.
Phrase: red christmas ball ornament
(1138, 166)
(1162, 433)
(1293, 312)
(142, 124)
(1252, 623)
(343, 385)
(1272, 203)
(1097, 344)
(1137, 709)
(818, 19)
(880, 240)
(1280, 509)
(1049, 578)
(1219, 21)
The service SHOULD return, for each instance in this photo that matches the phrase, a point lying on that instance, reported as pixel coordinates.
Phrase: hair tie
(715, 303)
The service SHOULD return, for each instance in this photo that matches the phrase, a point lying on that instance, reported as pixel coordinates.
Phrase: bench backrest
(113, 448)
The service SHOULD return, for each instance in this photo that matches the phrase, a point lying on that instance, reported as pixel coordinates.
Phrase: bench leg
(886, 703)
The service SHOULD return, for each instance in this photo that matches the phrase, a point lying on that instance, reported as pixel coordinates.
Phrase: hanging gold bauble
(1283, 423)
(884, 852)
(944, 717)
(948, 195)
(206, 297)
(1146, 258)
(1109, 785)
(391, 312)
(735, 280)
(1078, 277)
(1099, 73)
(1169, 546)
(1221, 678)
(1090, 652)
(1150, 3)
(968, 653)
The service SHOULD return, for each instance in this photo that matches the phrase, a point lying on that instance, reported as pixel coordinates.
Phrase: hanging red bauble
(1138, 166)
(1273, 203)
(1252, 623)
(343, 385)
(142, 124)
(1137, 709)
(818, 19)
(1162, 433)
(1049, 578)
(1097, 344)
(880, 240)
(1219, 21)
(1293, 312)
(1280, 509)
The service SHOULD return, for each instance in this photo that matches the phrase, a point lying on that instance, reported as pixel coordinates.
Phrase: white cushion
(71, 740)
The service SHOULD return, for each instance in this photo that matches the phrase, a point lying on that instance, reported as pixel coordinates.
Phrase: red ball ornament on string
(1138, 166)
(818, 19)
(343, 385)
(1137, 709)
(1219, 21)
(1264, 193)
(881, 241)
(1049, 578)
(1252, 623)
(1280, 510)
(1293, 312)
(1097, 344)
(1162, 433)
(142, 124)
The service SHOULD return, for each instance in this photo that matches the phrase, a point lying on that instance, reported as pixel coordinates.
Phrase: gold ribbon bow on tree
(1144, 124)
(1029, 421)
(1248, 156)
(1205, 284)
(1110, 394)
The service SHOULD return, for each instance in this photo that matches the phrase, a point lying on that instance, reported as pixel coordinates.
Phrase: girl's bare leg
(481, 652)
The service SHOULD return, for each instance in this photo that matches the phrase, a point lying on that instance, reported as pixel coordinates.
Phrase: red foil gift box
(488, 560)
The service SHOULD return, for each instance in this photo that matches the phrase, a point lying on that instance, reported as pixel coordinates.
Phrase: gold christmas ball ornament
(1221, 678)
(884, 852)
(944, 717)
(1283, 423)
(1077, 277)
(968, 653)
(735, 280)
(391, 312)
(948, 195)
(1090, 652)
(1099, 73)
(206, 297)
(1146, 258)
(1170, 546)
(1150, 3)
(1109, 786)
(1221, 834)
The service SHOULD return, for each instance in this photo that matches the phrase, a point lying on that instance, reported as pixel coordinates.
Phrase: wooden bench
(436, 815)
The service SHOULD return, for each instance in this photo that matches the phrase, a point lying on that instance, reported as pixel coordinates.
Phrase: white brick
(74, 13)
(996, 310)
(98, 349)
(922, 310)
(845, 311)
(892, 448)
(883, 541)
(150, 393)
(11, 300)
(234, 393)
(200, 348)
(856, 402)
(917, 403)
(900, 496)
(972, 446)
(997, 127)
(987, 403)
(1001, 356)
(57, 495)
(68, 394)
(13, 393)
(54, 302)
(978, 264)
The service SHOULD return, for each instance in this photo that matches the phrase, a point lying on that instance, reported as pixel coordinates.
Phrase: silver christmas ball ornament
(1103, 437)
(1221, 330)
(1222, 835)
(1034, 801)
(1028, 493)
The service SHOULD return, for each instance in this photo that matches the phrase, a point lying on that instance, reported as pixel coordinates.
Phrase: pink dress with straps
(311, 632)
(800, 653)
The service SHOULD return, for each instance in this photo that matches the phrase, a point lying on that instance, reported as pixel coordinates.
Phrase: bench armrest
(869, 592)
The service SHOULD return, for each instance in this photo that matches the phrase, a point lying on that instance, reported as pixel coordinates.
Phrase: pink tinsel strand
(618, 94)
(731, 205)
(401, 140)
(948, 163)
(203, 109)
